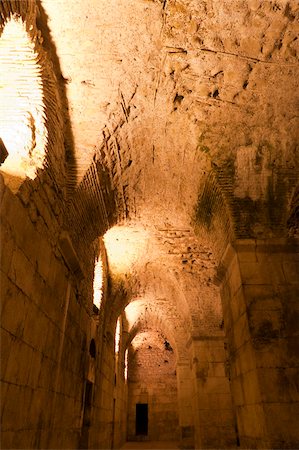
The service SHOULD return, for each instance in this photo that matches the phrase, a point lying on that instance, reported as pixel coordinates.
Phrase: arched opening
(152, 388)
(98, 284)
(117, 336)
(22, 111)
(92, 348)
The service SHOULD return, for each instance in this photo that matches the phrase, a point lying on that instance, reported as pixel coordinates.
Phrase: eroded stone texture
(261, 316)
(172, 133)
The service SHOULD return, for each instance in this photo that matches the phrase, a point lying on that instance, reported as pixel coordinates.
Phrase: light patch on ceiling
(152, 338)
(22, 115)
(125, 247)
(134, 309)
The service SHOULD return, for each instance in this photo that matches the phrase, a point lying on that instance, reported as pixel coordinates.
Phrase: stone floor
(150, 445)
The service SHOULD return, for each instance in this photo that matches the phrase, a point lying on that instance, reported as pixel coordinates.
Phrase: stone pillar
(260, 292)
(185, 404)
(214, 420)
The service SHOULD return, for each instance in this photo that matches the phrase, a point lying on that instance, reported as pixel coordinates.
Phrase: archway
(152, 388)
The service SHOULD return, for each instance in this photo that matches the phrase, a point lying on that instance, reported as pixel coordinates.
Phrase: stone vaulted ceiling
(181, 119)
(193, 107)
(197, 92)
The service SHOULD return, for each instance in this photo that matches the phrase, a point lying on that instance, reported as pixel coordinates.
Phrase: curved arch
(213, 222)
(146, 318)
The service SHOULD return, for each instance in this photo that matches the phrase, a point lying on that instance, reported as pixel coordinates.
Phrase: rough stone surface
(172, 154)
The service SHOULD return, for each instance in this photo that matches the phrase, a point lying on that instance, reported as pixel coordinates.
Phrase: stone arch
(152, 368)
(152, 322)
(213, 222)
(146, 317)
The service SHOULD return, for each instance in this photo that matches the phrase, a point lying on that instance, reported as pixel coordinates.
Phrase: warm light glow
(22, 116)
(126, 365)
(117, 336)
(136, 308)
(125, 246)
(98, 283)
(143, 337)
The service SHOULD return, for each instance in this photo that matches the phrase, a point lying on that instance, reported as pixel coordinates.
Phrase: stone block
(40, 408)
(234, 276)
(282, 352)
(251, 388)
(15, 310)
(35, 369)
(246, 357)
(186, 415)
(216, 369)
(35, 328)
(7, 439)
(253, 273)
(44, 259)
(22, 272)
(16, 408)
(237, 305)
(291, 271)
(279, 384)
(227, 417)
(250, 420)
(237, 391)
(216, 351)
(216, 385)
(213, 401)
(265, 325)
(18, 365)
(282, 423)
(47, 374)
(7, 248)
(262, 297)
(241, 333)
(23, 231)
(218, 437)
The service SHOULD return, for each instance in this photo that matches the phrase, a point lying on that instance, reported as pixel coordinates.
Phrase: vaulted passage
(149, 224)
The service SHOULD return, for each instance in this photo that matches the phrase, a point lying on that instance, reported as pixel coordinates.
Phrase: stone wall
(152, 380)
(47, 326)
(213, 407)
(44, 330)
(260, 292)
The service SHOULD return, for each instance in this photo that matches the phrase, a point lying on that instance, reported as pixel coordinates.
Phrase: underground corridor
(149, 224)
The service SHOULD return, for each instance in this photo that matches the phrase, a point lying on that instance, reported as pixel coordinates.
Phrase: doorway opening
(83, 444)
(141, 419)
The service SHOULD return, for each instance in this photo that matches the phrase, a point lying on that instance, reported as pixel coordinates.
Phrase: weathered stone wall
(46, 291)
(260, 292)
(109, 405)
(152, 380)
(213, 408)
(47, 326)
(44, 333)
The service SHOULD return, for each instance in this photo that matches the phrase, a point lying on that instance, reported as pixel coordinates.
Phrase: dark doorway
(141, 419)
(83, 444)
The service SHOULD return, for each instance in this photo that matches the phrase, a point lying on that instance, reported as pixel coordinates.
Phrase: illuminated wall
(22, 111)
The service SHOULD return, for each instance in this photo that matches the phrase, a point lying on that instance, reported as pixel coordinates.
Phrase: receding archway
(152, 388)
